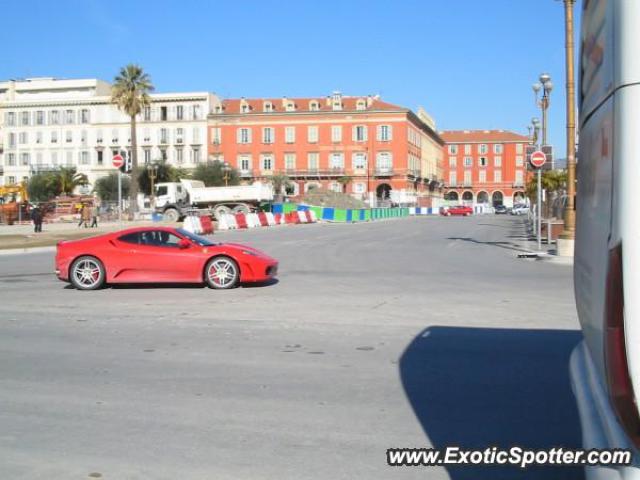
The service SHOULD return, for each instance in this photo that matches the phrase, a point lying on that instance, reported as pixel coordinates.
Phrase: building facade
(46, 123)
(484, 166)
(358, 145)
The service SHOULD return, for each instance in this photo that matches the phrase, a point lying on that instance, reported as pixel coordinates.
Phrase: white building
(46, 123)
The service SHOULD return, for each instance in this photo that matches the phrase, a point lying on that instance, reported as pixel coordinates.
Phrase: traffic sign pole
(119, 196)
(538, 159)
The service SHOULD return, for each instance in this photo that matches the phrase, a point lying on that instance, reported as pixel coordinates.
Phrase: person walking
(36, 218)
(95, 210)
(86, 215)
(81, 210)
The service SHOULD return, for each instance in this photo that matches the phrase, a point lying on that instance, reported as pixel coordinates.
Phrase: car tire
(222, 273)
(87, 273)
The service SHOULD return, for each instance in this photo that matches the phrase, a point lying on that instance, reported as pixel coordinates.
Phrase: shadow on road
(505, 245)
(481, 387)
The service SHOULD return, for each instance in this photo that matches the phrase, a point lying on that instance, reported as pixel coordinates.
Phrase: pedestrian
(86, 215)
(81, 209)
(95, 210)
(36, 218)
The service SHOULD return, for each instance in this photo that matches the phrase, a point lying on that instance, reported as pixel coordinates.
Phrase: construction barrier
(262, 218)
(207, 225)
(302, 215)
(241, 220)
(192, 224)
(271, 221)
(424, 211)
(252, 220)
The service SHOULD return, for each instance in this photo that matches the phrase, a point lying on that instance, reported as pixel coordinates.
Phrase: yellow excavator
(14, 201)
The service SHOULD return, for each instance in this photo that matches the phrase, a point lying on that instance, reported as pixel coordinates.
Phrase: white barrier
(222, 223)
(192, 224)
(270, 219)
(302, 216)
(231, 221)
(314, 217)
(252, 220)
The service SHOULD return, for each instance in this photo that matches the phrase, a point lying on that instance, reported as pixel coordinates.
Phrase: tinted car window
(159, 238)
(161, 190)
(130, 238)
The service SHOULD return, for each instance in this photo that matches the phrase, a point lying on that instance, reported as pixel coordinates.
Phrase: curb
(16, 251)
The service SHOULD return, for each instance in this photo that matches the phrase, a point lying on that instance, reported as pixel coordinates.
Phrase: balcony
(245, 174)
(315, 173)
(384, 172)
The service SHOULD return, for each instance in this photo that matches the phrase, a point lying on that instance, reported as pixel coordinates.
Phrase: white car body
(607, 248)
(520, 210)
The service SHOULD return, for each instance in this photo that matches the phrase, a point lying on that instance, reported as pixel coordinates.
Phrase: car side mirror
(184, 243)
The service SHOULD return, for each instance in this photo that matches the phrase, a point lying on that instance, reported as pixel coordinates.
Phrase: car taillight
(620, 387)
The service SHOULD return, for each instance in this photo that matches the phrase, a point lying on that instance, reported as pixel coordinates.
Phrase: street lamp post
(545, 85)
(226, 168)
(566, 240)
(153, 174)
(536, 129)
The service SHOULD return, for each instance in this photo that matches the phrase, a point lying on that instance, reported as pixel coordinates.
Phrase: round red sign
(538, 159)
(117, 161)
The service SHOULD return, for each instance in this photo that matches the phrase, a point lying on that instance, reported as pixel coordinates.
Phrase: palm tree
(130, 92)
(344, 181)
(67, 179)
(280, 182)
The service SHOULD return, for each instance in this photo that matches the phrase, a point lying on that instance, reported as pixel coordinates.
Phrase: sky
(469, 63)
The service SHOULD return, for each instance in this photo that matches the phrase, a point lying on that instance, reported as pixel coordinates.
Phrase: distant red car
(457, 210)
(159, 255)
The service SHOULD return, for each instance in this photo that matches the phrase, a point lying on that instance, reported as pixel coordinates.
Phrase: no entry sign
(117, 161)
(538, 159)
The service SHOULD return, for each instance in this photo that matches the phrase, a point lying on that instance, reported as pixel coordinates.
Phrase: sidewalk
(547, 253)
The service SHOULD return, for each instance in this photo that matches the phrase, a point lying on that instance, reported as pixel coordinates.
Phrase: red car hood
(240, 246)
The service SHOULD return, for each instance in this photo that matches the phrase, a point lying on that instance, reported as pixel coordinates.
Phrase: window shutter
(390, 131)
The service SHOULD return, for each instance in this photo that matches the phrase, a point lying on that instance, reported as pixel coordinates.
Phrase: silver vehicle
(605, 367)
(520, 209)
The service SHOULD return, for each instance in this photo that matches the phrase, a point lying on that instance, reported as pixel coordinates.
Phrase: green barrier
(367, 215)
(340, 215)
(289, 207)
(317, 211)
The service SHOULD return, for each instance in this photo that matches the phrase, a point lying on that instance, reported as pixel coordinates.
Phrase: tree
(42, 187)
(279, 182)
(344, 181)
(212, 174)
(130, 92)
(552, 181)
(67, 179)
(165, 173)
(107, 187)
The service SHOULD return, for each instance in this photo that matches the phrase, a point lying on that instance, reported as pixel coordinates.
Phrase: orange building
(484, 166)
(358, 145)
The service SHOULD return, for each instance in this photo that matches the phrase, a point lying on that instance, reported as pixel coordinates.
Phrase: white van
(605, 367)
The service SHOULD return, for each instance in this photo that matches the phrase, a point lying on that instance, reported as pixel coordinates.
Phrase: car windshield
(202, 241)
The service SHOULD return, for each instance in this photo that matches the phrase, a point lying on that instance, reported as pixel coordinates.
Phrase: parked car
(456, 210)
(159, 255)
(520, 209)
(500, 210)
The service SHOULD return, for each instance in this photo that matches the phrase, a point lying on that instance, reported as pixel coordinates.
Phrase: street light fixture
(546, 86)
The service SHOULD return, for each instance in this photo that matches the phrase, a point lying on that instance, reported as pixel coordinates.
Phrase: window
(12, 140)
(196, 112)
(69, 117)
(179, 155)
(289, 161)
(267, 135)
(482, 148)
(497, 161)
(266, 162)
(195, 154)
(314, 106)
(497, 148)
(453, 161)
(482, 176)
(312, 134)
(467, 149)
(290, 134)
(359, 161)
(146, 113)
(468, 162)
(360, 133)
(519, 176)
(179, 112)
(467, 178)
(290, 107)
(519, 160)
(244, 135)
(313, 161)
(83, 137)
(100, 157)
(147, 156)
(25, 118)
(361, 105)
(244, 163)
(163, 114)
(84, 116)
(25, 158)
(384, 133)
(146, 135)
(11, 159)
(23, 138)
(11, 180)
(483, 161)
(98, 136)
(519, 148)
(84, 158)
(54, 117)
(195, 135)
(384, 162)
(452, 179)
(164, 136)
(335, 187)
(244, 108)
(497, 176)
(336, 161)
(114, 135)
(39, 117)
(54, 158)
(359, 187)
(68, 136)
(163, 154)
(453, 149)
(336, 133)
(11, 119)
(152, 238)
(54, 137)
(179, 135)
(268, 107)
(216, 135)
(38, 137)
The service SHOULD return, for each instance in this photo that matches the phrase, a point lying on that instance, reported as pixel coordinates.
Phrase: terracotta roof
(232, 105)
(481, 136)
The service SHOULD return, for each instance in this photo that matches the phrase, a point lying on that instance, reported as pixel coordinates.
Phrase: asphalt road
(406, 333)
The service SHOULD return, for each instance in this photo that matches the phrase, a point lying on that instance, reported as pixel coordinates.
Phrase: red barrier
(292, 217)
(207, 225)
(263, 219)
(278, 218)
(308, 215)
(241, 220)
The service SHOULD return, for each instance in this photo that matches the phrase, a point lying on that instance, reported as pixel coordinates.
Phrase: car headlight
(247, 252)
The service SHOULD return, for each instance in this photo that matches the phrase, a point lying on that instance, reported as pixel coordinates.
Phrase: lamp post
(153, 174)
(545, 85)
(536, 128)
(566, 240)
(226, 168)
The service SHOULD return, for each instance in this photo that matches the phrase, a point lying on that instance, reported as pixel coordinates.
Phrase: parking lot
(403, 333)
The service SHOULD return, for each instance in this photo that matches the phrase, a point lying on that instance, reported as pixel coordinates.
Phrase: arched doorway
(451, 196)
(292, 189)
(497, 198)
(518, 197)
(467, 196)
(383, 191)
(311, 186)
(483, 197)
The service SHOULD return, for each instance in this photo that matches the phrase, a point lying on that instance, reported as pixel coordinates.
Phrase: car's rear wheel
(87, 273)
(222, 273)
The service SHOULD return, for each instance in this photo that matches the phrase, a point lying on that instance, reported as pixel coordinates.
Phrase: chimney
(369, 100)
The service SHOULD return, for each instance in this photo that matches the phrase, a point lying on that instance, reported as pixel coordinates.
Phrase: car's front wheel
(222, 273)
(87, 273)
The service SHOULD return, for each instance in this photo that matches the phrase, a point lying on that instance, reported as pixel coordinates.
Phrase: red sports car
(159, 255)
(457, 210)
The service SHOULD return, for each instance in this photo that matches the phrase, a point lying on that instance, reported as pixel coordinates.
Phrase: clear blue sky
(470, 63)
